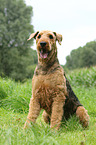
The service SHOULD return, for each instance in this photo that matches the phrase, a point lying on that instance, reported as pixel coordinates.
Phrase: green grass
(14, 104)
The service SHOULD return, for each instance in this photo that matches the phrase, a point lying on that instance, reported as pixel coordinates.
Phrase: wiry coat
(51, 90)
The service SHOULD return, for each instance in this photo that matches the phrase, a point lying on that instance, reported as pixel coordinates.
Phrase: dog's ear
(58, 37)
(33, 35)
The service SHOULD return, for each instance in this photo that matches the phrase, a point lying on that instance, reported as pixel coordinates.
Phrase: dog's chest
(49, 81)
(47, 87)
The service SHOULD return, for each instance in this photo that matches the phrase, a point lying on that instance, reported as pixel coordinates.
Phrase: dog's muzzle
(44, 51)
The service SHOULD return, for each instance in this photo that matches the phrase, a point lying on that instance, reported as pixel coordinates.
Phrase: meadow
(14, 105)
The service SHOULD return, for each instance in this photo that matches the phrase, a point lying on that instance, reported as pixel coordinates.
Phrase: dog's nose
(43, 43)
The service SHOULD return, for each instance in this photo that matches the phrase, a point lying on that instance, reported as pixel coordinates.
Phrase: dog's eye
(50, 36)
(39, 36)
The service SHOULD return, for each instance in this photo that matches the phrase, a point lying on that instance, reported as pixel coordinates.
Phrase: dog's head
(46, 43)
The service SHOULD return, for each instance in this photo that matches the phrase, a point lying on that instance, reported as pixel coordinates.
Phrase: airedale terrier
(51, 90)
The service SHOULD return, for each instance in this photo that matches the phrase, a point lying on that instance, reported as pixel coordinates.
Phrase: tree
(15, 28)
(88, 57)
(73, 60)
(82, 57)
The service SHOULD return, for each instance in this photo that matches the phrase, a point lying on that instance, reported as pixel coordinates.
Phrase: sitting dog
(51, 90)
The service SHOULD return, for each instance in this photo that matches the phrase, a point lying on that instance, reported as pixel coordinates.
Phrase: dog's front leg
(57, 112)
(34, 110)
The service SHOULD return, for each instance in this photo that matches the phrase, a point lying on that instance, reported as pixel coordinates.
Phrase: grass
(14, 102)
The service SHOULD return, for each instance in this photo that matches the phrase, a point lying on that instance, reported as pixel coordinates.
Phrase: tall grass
(14, 104)
(83, 77)
(15, 96)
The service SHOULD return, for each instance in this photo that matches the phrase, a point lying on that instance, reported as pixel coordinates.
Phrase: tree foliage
(16, 56)
(82, 57)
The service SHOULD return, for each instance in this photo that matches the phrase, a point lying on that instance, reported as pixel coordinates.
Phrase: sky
(74, 19)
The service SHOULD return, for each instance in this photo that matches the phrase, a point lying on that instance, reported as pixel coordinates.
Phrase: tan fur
(46, 117)
(48, 92)
(49, 84)
(83, 116)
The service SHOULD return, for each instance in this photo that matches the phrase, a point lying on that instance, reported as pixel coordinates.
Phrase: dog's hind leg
(83, 116)
(46, 117)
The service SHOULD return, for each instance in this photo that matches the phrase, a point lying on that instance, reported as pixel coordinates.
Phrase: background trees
(82, 56)
(17, 59)
(16, 56)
